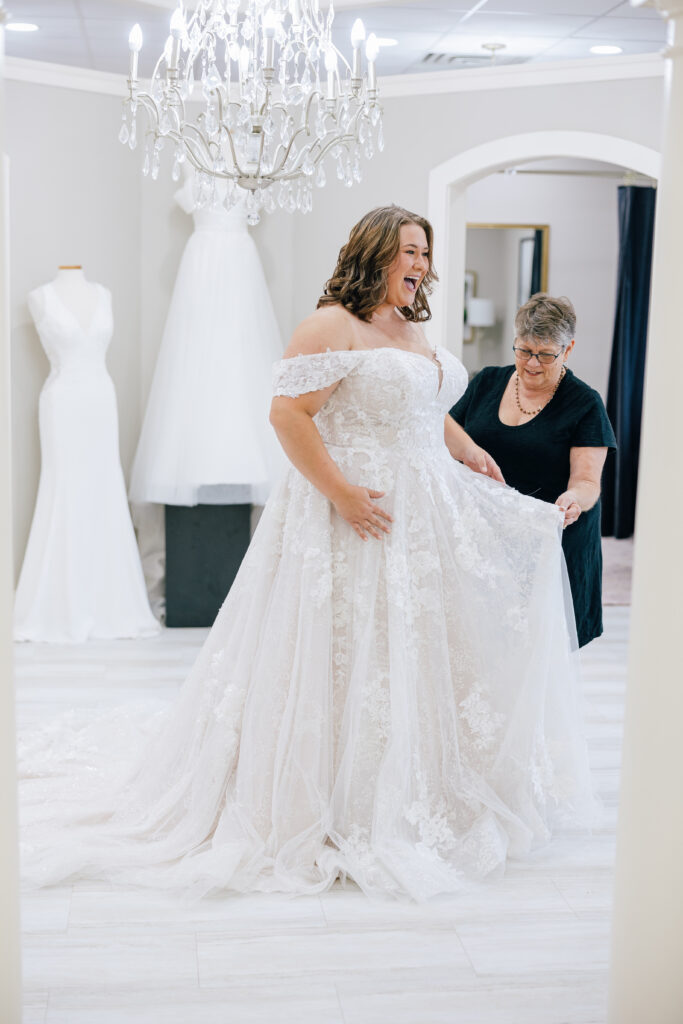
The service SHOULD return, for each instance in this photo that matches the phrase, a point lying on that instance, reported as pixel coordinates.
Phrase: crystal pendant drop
(124, 133)
(320, 177)
(308, 167)
(145, 164)
(175, 173)
(380, 138)
(133, 137)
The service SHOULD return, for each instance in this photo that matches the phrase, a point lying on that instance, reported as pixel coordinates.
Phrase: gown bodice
(217, 218)
(70, 347)
(389, 400)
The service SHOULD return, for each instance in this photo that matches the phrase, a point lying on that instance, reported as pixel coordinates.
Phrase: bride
(389, 691)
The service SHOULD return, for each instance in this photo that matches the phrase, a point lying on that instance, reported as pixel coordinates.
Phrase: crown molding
(64, 76)
(426, 84)
(510, 76)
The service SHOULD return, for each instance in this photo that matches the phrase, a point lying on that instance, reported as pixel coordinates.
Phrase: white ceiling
(94, 33)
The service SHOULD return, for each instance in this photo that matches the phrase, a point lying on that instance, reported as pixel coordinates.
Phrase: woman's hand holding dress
(584, 482)
(480, 461)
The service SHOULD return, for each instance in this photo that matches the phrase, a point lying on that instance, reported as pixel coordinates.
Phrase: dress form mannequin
(78, 294)
(81, 575)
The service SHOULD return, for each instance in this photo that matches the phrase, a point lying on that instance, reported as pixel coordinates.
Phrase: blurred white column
(10, 959)
(646, 975)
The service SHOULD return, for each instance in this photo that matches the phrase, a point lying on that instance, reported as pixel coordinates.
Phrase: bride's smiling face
(410, 266)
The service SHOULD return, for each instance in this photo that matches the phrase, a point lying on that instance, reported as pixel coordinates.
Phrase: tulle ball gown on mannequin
(403, 712)
(206, 427)
(81, 577)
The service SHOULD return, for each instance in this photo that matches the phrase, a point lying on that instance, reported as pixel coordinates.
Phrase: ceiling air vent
(466, 60)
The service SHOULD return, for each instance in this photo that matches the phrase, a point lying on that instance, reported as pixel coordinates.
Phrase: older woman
(549, 433)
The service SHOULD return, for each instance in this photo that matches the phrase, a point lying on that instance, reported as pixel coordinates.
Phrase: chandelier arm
(202, 147)
(238, 170)
(291, 143)
(149, 105)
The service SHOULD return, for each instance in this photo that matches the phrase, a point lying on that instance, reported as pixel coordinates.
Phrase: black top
(534, 458)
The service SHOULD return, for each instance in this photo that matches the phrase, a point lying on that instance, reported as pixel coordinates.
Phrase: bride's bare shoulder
(329, 328)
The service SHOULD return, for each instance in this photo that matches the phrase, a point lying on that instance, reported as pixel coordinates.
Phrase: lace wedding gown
(403, 711)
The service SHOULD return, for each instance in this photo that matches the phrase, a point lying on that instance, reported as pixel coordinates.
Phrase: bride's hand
(481, 462)
(357, 506)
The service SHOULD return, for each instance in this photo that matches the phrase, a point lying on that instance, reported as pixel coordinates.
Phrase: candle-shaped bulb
(269, 23)
(357, 33)
(331, 68)
(372, 48)
(177, 23)
(357, 38)
(135, 39)
(173, 43)
(135, 45)
(371, 51)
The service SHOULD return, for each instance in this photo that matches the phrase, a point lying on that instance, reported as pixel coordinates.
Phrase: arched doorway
(449, 181)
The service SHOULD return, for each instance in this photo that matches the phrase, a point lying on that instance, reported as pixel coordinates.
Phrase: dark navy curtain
(537, 263)
(625, 391)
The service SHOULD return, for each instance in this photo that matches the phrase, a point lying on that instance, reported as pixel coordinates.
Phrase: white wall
(78, 196)
(583, 251)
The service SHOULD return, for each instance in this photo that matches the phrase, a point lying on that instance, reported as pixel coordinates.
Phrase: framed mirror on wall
(506, 264)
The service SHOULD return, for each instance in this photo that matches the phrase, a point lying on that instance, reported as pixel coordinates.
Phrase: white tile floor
(529, 949)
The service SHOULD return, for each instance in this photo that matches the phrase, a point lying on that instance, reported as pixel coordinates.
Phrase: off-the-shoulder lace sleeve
(304, 373)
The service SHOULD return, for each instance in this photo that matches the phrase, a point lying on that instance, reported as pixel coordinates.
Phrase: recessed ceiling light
(382, 41)
(21, 26)
(606, 50)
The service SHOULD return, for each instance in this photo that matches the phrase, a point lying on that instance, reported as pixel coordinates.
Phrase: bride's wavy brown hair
(359, 282)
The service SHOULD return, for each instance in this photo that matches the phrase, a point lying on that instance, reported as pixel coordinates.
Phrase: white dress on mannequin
(81, 577)
(206, 437)
(403, 712)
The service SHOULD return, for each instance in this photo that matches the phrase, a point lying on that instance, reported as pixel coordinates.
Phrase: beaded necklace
(534, 412)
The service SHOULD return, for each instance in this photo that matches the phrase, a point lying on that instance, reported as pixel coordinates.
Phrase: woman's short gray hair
(547, 319)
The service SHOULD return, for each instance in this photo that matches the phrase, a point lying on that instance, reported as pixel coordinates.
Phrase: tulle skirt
(206, 434)
(402, 712)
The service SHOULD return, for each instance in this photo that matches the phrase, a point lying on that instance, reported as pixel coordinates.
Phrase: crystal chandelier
(279, 102)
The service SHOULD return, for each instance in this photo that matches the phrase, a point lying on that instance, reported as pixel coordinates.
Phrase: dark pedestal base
(205, 545)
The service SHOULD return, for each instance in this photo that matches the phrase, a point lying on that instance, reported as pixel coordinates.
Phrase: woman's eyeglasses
(545, 358)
